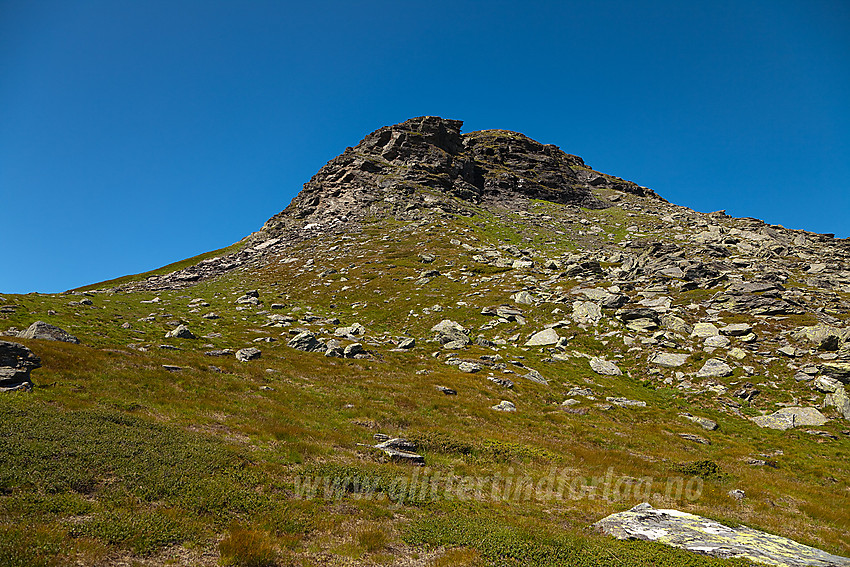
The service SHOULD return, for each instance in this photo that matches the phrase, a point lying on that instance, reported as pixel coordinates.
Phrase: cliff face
(427, 160)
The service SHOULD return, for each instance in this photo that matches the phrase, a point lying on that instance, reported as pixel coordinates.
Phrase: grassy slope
(113, 457)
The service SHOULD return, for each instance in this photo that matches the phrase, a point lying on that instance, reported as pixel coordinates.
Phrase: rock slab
(16, 362)
(707, 537)
(48, 332)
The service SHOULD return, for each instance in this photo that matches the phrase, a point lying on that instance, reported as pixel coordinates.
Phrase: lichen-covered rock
(707, 537)
(47, 332)
(668, 359)
(605, 367)
(714, 368)
(543, 338)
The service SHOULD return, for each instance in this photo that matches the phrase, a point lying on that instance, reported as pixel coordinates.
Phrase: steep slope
(424, 282)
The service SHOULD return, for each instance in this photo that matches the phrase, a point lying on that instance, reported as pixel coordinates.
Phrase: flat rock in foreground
(701, 535)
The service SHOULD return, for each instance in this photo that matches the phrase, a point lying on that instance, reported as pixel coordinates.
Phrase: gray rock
(704, 330)
(707, 537)
(503, 382)
(714, 368)
(219, 352)
(781, 422)
(605, 367)
(448, 331)
(181, 332)
(826, 384)
(16, 363)
(353, 350)
(736, 330)
(446, 391)
(626, 403)
(838, 370)
(704, 422)
(803, 416)
(469, 367)
(523, 297)
(406, 343)
(586, 312)
(825, 337)
(504, 405)
(355, 330)
(246, 354)
(535, 376)
(695, 438)
(840, 401)
(543, 338)
(307, 342)
(401, 450)
(716, 341)
(47, 332)
(668, 359)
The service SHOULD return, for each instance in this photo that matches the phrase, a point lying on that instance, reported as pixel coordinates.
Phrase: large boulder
(16, 363)
(714, 368)
(307, 342)
(543, 338)
(605, 367)
(47, 332)
(448, 332)
(707, 537)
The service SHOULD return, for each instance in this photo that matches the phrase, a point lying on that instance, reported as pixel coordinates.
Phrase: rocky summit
(449, 349)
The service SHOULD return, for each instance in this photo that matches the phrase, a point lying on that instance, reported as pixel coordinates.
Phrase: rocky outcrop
(707, 537)
(47, 332)
(16, 363)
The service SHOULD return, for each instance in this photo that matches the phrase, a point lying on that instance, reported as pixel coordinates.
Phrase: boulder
(840, 401)
(504, 405)
(716, 341)
(605, 367)
(781, 423)
(736, 330)
(707, 537)
(47, 332)
(307, 342)
(586, 312)
(246, 354)
(181, 332)
(355, 330)
(838, 370)
(535, 376)
(16, 363)
(668, 359)
(704, 330)
(714, 368)
(450, 332)
(406, 343)
(353, 350)
(704, 422)
(803, 416)
(543, 338)
(626, 403)
(469, 367)
(523, 297)
(401, 450)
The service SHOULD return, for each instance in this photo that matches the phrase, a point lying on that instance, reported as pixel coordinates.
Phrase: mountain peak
(424, 160)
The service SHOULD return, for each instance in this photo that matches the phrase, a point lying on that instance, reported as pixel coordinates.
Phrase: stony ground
(549, 361)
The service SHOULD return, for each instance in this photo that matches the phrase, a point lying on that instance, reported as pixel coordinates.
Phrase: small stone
(406, 343)
(736, 330)
(469, 367)
(695, 438)
(446, 391)
(353, 350)
(736, 493)
(703, 422)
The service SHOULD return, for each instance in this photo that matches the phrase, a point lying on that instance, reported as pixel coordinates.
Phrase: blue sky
(137, 133)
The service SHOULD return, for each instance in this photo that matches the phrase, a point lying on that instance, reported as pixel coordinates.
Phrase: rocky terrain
(473, 304)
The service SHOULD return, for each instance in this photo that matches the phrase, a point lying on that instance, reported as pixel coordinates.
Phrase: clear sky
(136, 133)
